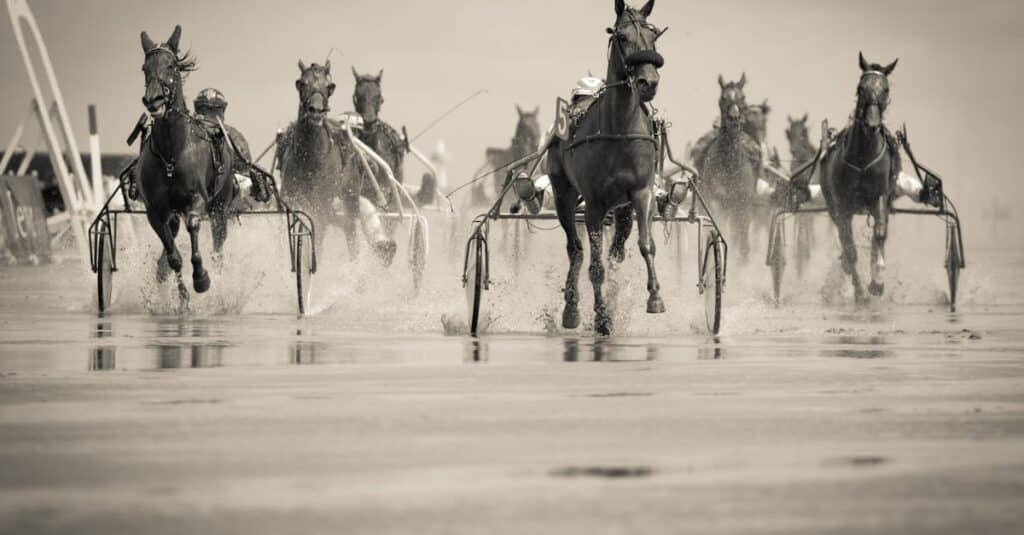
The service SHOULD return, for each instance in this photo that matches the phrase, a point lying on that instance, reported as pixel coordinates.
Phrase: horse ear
(890, 67)
(743, 81)
(147, 43)
(519, 110)
(767, 108)
(355, 74)
(536, 111)
(380, 75)
(620, 6)
(863, 62)
(721, 81)
(327, 66)
(175, 38)
(790, 118)
(648, 7)
(804, 120)
(302, 66)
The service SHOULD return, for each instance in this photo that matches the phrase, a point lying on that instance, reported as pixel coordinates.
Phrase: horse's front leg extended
(881, 230)
(644, 206)
(595, 231)
(844, 227)
(565, 205)
(200, 278)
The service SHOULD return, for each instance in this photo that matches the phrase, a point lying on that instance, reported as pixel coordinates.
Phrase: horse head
(797, 133)
(315, 88)
(367, 97)
(872, 93)
(633, 55)
(527, 129)
(732, 103)
(164, 69)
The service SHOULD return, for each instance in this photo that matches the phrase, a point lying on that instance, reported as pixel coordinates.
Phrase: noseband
(325, 93)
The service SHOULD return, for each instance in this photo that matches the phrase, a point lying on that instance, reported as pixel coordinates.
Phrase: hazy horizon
(956, 86)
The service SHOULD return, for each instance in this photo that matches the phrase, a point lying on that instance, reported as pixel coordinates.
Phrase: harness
(646, 56)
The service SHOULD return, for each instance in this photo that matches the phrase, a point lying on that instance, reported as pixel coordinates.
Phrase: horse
(755, 124)
(858, 174)
(732, 163)
(524, 142)
(375, 133)
(801, 151)
(609, 162)
(181, 172)
(315, 155)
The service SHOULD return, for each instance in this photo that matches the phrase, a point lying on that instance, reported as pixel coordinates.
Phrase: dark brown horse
(802, 151)
(609, 161)
(732, 163)
(377, 134)
(524, 142)
(179, 174)
(858, 174)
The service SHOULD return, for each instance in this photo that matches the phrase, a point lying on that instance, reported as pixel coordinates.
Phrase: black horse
(609, 162)
(732, 163)
(858, 174)
(181, 171)
(375, 133)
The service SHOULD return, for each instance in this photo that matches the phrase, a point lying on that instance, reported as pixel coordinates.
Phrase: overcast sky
(957, 86)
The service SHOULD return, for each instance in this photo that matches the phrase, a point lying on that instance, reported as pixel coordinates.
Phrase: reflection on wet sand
(712, 351)
(304, 350)
(602, 350)
(101, 356)
(194, 350)
(862, 347)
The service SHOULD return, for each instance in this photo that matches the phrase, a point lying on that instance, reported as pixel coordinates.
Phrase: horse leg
(844, 227)
(643, 204)
(595, 232)
(200, 278)
(565, 205)
(219, 229)
(623, 228)
(163, 267)
(741, 228)
(881, 227)
(350, 203)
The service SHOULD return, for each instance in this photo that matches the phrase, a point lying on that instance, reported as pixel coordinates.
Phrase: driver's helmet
(588, 86)
(210, 99)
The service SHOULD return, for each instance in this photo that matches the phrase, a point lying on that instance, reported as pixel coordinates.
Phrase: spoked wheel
(954, 262)
(475, 277)
(712, 281)
(418, 258)
(104, 269)
(303, 270)
(777, 258)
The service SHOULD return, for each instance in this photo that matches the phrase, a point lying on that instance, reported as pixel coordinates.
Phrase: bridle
(647, 55)
(377, 102)
(862, 103)
(307, 93)
(167, 89)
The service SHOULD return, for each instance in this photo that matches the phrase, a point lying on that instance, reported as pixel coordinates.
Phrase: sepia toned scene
(585, 266)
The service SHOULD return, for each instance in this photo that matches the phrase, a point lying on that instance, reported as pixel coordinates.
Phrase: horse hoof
(174, 262)
(876, 288)
(201, 281)
(603, 325)
(617, 253)
(655, 306)
(385, 251)
(570, 318)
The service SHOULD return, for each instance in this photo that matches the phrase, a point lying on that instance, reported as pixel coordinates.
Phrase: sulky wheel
(954, 261)
(418, 256)
(474, 279)
(777, 258)
(104, 269)
(804, 242)
(712, 281)
(303, 269)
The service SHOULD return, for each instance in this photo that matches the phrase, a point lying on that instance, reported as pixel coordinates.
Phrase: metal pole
(98, 191)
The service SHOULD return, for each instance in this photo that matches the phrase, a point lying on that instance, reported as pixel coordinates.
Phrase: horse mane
(186, 62)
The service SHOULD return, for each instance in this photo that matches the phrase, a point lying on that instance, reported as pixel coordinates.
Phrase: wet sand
(808, 418)
(916, 443)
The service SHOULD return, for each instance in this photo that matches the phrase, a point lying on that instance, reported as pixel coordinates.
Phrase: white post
(20, 12)
(98, 192)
